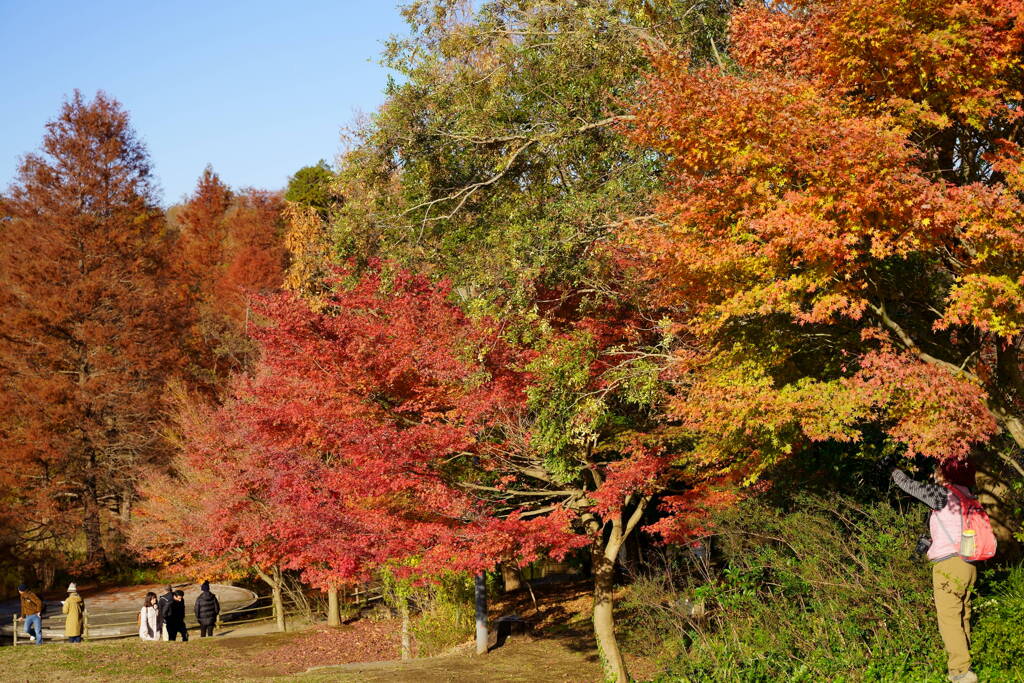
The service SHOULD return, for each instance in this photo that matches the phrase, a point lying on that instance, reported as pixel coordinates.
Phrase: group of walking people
(33, 607)
(160, 618)
(163, 618)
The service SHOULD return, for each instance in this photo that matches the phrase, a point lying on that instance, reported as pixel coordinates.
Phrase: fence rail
(357, 598)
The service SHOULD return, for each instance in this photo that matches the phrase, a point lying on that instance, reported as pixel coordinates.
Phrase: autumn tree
(90, 324)
(255, 257)
(333, 458)
(841, 231)
(494, 160)
(229, 247)
(309, 252)
(594, 438)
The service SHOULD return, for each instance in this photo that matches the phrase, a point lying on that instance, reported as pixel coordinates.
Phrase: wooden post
(85, 624)
(15, 629)
(480, 586)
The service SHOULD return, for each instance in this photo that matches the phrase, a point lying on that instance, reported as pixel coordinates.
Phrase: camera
(924, 541)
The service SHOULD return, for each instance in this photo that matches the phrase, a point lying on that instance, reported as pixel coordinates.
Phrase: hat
(72, 588)
(22, 588)
(205, 586)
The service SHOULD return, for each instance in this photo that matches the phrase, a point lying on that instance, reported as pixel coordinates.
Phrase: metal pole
(480, 586)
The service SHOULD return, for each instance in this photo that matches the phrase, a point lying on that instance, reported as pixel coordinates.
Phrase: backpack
(973, 516)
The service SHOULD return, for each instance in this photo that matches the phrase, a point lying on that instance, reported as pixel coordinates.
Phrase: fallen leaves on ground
(361, 641)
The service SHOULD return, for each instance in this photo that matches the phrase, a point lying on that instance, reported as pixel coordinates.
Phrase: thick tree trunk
(1014, 426)
(403, 609)
(333, 610)
(125, 507)
(480, 592)
(510, 576)
(278, 607)
(95, 555)
(604, 619)
(604, 551)
(995, 492)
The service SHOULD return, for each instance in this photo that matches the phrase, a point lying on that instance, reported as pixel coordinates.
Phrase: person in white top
(148, 629)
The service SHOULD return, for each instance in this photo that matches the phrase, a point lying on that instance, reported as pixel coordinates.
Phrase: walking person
(161, 608)
(32, 613)
(174, 617)
(953, 576)
(74, 607)
(207, 608)
(148, 616)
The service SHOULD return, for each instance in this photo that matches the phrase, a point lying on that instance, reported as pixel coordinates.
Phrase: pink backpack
(974, 517)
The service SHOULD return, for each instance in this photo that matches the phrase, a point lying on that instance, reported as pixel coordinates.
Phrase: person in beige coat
(74, 607)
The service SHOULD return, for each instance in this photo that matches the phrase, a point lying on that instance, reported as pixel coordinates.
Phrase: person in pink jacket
(953, 577)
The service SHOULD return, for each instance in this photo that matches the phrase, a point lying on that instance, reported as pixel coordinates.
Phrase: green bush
(824, 589)
(442, 609)
(446, 614)
(997, 636)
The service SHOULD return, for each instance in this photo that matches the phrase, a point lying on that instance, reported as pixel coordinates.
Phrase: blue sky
(258, 89)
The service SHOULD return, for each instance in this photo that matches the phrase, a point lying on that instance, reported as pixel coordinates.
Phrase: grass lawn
(223, 659)
(351, 653)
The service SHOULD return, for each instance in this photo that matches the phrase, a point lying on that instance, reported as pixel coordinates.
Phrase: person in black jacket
(174, 617)
(161, 608)
(207, 609)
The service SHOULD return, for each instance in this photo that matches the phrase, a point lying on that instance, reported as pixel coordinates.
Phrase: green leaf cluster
(497, 159)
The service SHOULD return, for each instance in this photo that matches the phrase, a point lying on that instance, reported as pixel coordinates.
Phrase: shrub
(826, 589)
(997, 637)
(446, 616)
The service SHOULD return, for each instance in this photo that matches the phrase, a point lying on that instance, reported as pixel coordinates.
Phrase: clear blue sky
(258, 89)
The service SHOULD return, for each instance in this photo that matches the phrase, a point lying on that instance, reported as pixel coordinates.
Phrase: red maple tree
(337, 456)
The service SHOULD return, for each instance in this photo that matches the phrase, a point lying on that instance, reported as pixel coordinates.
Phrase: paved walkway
(113, 611)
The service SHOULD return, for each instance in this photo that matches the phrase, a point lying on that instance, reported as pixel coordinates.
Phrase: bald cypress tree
(91, 322)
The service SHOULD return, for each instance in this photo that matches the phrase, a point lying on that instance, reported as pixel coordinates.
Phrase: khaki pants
(953, 579)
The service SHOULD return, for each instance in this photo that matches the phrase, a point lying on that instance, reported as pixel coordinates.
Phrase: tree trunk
(125, 507)
(480, 591)
(1015, 428)
(603, 553)
(604, 620)
(403, 608)
(276, 583)
(333, 611)
(95, 556)
(510, 576)
(995, 492)
(278, 607)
